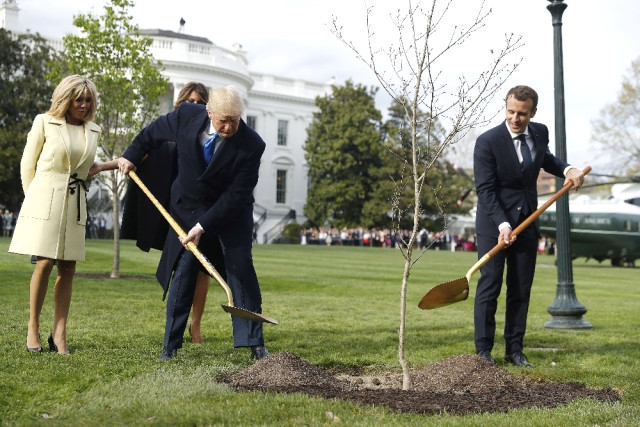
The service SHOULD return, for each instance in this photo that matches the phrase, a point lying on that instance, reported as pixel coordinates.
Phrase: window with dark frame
(251, 121)
(281, 186)
(282, 132)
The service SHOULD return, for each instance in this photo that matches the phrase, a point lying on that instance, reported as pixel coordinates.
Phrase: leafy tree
(343, 151)
(113, 54)
(616, 131)
(444, 183)
(24, 93)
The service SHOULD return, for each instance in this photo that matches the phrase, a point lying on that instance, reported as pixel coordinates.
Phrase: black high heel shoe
(34, 349)
(52, 346)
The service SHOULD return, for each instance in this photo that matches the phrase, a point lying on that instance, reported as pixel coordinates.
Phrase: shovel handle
(191, 246)
(531, 218)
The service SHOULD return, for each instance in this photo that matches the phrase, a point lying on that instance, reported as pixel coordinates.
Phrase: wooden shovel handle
(192, 246)
(531, 218)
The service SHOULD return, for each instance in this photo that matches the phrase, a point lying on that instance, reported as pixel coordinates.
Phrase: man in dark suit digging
(507, 160)
(212, 197)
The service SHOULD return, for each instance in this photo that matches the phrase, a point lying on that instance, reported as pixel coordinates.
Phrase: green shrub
(291, 233)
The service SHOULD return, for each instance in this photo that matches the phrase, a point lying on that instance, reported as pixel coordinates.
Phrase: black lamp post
(566, 310)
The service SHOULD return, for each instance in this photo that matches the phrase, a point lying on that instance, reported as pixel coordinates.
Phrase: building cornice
(219, 71)
(156, 32)
(281, 97)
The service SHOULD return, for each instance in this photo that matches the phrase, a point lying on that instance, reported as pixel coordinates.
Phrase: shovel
(458, 290)
(230, 307)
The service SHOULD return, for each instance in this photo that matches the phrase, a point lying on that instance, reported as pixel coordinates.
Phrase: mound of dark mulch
(461, 384)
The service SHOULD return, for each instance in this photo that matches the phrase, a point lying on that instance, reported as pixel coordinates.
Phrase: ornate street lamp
(566, 310)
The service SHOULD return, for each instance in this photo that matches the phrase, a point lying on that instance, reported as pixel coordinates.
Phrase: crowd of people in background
(8, 220)
(96, 227)
(385, 238)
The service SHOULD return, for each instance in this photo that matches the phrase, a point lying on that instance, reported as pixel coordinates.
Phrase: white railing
(288, 86)
(169, 49)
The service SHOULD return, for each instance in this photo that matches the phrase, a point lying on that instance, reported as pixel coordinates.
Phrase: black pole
(566, 310)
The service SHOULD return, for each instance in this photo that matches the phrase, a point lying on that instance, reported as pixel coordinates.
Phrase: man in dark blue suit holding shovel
(212, 198)
(507, 161)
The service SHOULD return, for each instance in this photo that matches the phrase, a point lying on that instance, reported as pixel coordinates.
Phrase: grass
(337, 307)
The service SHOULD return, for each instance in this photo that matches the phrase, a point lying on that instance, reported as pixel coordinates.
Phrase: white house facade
(279, 108)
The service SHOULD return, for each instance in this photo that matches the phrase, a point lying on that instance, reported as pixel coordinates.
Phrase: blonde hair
(70, 88)
(226, 101)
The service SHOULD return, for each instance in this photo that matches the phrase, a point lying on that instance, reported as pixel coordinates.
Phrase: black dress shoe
(258, 352)
(518, 359)
(167, 354)
(486, 355)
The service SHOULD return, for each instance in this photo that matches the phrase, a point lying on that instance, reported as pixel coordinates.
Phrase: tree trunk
(115, 271)
(406, 375)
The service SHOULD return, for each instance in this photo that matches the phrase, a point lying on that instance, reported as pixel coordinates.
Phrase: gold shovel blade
(249, 315)
(445, 293)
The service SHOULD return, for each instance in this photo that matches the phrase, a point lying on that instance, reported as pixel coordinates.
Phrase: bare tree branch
(419, 74)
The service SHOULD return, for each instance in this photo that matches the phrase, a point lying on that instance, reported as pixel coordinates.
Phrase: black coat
(212, 195)
(141, 220)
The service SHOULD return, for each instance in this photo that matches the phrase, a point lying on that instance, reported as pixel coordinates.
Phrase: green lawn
(337, 307)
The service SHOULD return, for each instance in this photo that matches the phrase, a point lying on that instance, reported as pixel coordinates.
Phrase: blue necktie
(527, 161)
(208, 147)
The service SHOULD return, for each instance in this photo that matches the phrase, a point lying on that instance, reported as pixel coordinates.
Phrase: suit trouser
(520, 259)
(180, 299)
(236, 242)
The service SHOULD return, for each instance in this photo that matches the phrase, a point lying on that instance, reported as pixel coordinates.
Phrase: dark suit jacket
(213, 195)
(501, 185)
(141, 220)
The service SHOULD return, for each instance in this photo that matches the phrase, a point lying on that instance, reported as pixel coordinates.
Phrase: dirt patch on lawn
(108, 276)
(461, 384)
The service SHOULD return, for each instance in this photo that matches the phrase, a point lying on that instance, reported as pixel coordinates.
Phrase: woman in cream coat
(57, 159)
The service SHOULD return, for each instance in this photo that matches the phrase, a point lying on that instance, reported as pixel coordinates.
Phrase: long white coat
(48, 223)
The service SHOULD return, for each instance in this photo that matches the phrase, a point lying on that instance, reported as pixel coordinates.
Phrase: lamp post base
(566, 311)
(567, 322)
